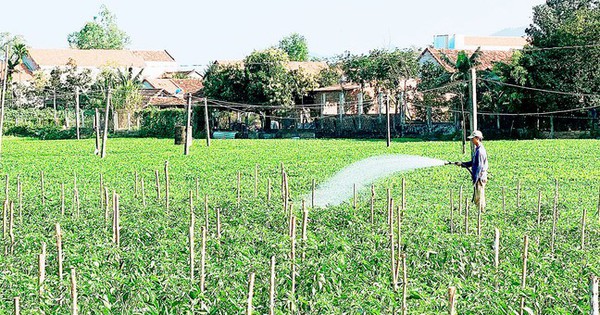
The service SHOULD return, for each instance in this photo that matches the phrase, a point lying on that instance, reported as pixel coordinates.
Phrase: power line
(540, 90)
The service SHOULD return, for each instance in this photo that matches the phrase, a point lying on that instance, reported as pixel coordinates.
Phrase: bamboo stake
(11, 225)
(314, 184)
(59, 251)
(460, 198)
(272, 287)
(143, 192)
(167, 187)
(74, 309)
(116, 222)
(389, 198)
(157, 180)
(404, 285)
(293, 261)
(583, 216)
(256, 181)
(451, 213)
(452, 300)
(403, 194)
(239, 188)
(372, 204)
(42, 269)
(400, 219)
(203, 261)
(392, 246)
(17, 303)
(466, 215)
(496, 248)
(218, 213)
(594, 309)
(192, 255)
(206, 212)
(524, 273)
(250, 294)
(20, 197)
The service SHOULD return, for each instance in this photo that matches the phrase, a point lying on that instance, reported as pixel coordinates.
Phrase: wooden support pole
(11, 227)
(188, 126)
(17, 304)
(272, 287)
(452, 300)
(191, 249)
(59, 251)
(167, 187)
(116, 220)
(404, 285)
(293, 262)
(97, 130)
(203, 261)
(74, 309)
(496, 249)
(594, 308)
(3, 93)
(77, 115)
(388, 124)
(250, 294)
(206, 123)
(524, 271)
(42, 269)
(106, 117)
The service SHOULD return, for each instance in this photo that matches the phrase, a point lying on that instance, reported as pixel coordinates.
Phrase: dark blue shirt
(478, 164)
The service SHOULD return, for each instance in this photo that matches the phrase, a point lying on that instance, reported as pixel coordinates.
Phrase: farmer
(479, 167)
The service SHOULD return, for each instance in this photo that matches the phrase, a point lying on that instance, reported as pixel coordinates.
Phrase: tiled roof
(86, 58)
(189, 85)
(486, 59)
(166, 101)
(154, 55)
(165, 84)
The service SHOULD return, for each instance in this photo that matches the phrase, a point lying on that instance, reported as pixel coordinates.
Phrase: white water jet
(365, 172)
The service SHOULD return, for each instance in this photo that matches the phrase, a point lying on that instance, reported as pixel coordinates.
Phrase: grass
(346, 269)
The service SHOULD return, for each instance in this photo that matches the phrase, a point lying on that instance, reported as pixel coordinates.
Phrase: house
(486, 59)
(154, 63)
(491, 43)
(182, 74)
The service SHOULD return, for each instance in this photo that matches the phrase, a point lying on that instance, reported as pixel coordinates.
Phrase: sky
(199, 32)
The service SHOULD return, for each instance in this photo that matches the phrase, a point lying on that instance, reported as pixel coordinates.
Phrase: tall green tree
(574, 24)
(100, 33)
(18, 50)
(295, 46)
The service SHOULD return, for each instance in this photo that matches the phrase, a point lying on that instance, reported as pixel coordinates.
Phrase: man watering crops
(479, 167)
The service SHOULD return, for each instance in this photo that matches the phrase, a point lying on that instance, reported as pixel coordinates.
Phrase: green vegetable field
(344, 264)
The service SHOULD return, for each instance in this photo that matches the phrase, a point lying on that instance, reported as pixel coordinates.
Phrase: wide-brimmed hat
(476, 133)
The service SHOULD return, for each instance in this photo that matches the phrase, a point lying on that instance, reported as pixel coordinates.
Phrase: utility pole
(54, 106)
(341, 109)
(77, 112)
(206, 122)
(106, 117)
(387, 116)
(474, 99)
(2, 97)
(188, 126)
(360, 110)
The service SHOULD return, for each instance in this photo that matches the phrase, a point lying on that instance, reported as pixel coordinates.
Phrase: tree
(124, 85)
(101, 33)
(559, 23)
(18, 50)
(295, 46)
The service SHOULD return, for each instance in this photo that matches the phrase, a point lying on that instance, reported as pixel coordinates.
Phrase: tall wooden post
(105, 134)
(3, 91)
(341, 106)
(97, 128)
(387, 118)
(206, 122)
(77, 116)
(473, 99)
(188, 126)
(360, 110)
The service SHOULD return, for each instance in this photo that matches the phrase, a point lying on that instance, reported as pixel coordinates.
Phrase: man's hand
(458, 163)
